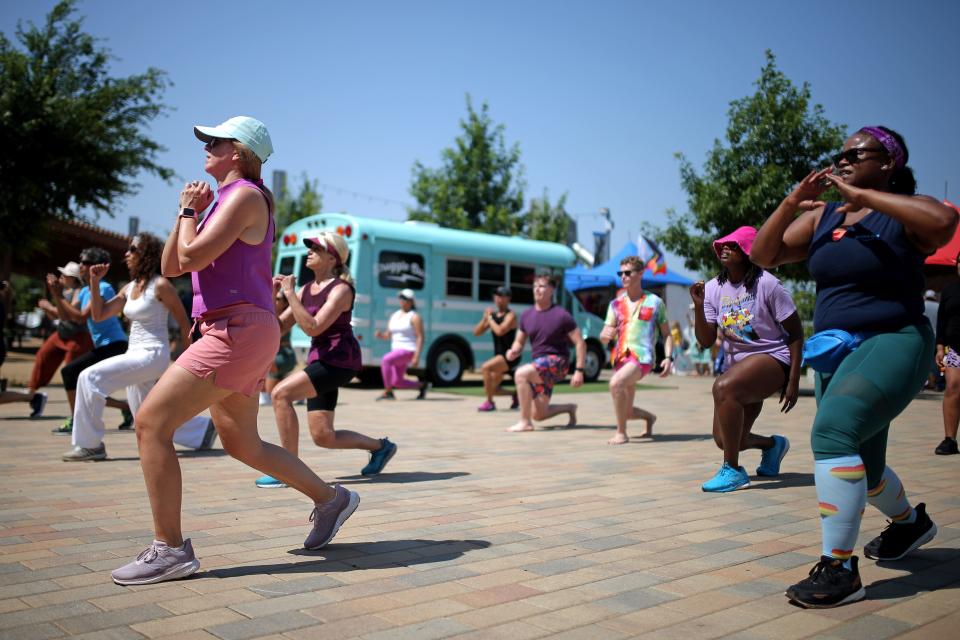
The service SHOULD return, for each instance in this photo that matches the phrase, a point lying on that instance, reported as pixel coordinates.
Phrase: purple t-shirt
(750, 322)
(548, 331)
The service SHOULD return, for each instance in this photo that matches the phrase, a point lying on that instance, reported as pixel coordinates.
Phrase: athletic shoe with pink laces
(327, 518)
(487, 406)
(157, 563)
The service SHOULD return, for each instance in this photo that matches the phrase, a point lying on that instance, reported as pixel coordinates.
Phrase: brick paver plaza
(470, 533)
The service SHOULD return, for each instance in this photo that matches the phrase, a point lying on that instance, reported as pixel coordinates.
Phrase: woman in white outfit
(146, 301)
(405, 332)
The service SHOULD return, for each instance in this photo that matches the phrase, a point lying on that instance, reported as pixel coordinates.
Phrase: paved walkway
(471, 532)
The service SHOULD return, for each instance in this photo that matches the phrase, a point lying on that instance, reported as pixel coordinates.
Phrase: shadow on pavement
(783, 480)
(925, 574)
(357, 556)
(401, 477)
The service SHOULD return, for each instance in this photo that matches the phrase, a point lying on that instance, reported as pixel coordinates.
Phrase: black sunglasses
(87, 262)
(627, 272)
(132, 249)
(855, 155)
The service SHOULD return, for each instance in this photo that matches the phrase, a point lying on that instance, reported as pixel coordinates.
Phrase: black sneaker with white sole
(897, 540)
(829, 584)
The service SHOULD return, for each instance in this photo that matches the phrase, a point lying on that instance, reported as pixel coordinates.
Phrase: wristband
(187, 212)
(580, 369)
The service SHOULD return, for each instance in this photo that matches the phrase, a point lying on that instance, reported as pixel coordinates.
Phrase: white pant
(138, 370)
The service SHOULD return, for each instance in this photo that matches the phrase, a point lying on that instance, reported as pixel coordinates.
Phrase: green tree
(289, 209)
(70, 134)
(479, 185)
(544, 221)
(773, 139)
(307, 202)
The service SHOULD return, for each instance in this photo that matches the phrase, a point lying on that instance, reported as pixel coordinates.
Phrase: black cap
(503, 291)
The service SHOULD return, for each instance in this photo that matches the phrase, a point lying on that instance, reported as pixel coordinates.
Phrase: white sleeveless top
(402, 334)
(148, 318)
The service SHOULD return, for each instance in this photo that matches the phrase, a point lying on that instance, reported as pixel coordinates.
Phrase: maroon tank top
(337, 346)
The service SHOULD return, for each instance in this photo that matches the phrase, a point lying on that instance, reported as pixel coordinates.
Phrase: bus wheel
(593, 362)
(446, 364)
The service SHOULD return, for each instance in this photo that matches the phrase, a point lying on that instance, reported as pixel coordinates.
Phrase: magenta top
(337, 346)
(243, 273)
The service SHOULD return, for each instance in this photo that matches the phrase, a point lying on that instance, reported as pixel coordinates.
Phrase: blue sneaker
(772, 457)
(379, 458)
(269, 482)
(727, 479)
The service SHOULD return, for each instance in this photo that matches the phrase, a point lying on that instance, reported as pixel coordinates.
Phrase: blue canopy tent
(605, 275)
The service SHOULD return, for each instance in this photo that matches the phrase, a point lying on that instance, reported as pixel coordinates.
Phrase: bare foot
(648, 432)
(619, 438)
(573, 418)
(520, 426)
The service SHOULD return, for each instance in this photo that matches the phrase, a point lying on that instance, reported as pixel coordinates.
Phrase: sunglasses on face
(626, 272)
(133, 249)
(87, 262)
(213, 143)
(855, 155)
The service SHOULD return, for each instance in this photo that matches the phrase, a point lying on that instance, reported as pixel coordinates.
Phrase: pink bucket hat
(743, 237)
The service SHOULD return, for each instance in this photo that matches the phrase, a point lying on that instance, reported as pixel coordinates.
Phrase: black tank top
(869, 275)
(502, 343)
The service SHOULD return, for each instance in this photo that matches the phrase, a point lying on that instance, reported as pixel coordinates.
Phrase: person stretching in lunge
(633, 318)
(866, 255)
(551, 330)
(229, 257)
(502, 323)
(323, 310)
(761, 329)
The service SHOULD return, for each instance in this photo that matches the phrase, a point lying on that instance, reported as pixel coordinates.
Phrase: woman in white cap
(70, 340)
(405, 332)
(229, 257)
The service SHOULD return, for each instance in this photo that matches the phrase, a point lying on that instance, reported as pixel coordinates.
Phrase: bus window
(306, 273)
(521, 284)
(286, 265)
(399, 270)
(492, 275)
(460, 278)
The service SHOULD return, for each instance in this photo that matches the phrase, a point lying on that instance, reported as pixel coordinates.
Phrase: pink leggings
(393, 366)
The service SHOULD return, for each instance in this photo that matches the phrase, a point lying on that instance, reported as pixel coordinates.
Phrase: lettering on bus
(397, 270)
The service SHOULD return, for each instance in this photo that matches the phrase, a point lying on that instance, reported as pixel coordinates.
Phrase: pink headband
(889, 143)
(315, 242)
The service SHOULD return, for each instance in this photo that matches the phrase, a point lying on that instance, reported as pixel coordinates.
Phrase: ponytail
(901, 180)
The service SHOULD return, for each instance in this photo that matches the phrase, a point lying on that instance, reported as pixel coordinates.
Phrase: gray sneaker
(157, 563)
(82, 454)
(328, 517)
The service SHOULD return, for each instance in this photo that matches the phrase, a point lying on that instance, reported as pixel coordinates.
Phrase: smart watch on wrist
(187, 212)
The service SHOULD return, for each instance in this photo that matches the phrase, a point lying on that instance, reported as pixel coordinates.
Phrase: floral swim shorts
(551, 369)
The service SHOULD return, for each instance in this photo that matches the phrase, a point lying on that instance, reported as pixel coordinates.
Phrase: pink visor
(742, 237)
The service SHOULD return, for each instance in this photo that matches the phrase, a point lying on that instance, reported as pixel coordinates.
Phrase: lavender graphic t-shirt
(749, 322)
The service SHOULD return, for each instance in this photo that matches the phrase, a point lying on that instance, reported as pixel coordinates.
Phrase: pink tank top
(243, 273)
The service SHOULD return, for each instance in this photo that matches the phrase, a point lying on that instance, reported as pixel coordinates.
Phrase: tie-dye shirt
(637, 324)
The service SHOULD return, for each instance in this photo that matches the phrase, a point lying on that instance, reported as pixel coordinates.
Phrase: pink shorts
(237, 346)
(644, 367)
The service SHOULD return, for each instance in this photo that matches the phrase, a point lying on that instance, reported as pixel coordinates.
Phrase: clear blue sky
(598, 94)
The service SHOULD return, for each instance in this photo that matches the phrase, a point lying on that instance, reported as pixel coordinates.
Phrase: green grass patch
(561, 389)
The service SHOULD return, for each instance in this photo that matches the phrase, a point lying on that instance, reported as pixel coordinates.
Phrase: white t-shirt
(402, 334)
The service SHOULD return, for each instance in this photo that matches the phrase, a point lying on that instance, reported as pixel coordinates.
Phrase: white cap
(71, 269)
(245, 129)
(407, 294)
(930, 294)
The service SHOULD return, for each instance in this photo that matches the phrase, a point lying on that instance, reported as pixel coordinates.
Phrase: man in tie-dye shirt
(633, 319)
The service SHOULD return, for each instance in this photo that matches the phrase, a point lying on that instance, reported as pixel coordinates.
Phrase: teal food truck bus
(453, 274)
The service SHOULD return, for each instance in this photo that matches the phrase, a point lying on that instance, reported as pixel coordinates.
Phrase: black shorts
(326, 381)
